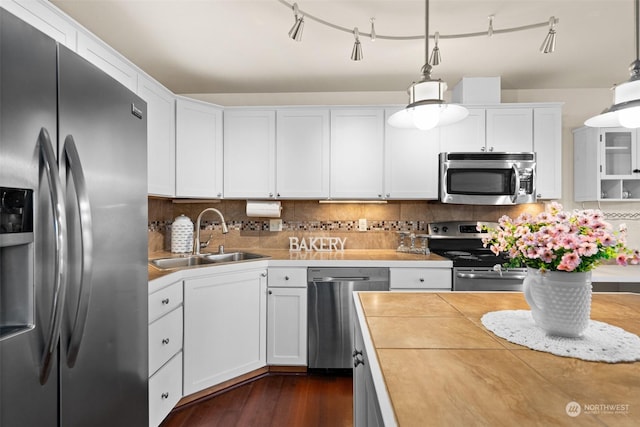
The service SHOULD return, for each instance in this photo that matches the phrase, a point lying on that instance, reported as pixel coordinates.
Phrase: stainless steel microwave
(488, 178)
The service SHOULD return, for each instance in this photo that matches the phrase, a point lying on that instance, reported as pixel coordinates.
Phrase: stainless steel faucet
(225, 230)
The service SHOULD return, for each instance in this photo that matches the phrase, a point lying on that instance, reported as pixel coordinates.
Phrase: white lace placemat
(601, 342)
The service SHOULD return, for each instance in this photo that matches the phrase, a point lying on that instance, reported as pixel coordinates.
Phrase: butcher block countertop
(435, 364)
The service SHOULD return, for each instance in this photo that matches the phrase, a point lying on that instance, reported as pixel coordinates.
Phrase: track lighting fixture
(435, 58)
(549, 43)
(625, 110)
(490, 29)
(356, 52)
(296, 31)
(427, 108)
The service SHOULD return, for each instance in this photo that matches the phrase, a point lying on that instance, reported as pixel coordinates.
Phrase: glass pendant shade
(624, 112)
(427, 108)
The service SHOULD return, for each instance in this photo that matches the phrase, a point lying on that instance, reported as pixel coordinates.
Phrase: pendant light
(427, 108)
(625, 110)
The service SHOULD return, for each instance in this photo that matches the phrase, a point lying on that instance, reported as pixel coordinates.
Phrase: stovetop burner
(457, 253)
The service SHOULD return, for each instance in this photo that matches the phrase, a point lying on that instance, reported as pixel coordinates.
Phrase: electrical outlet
(362, 224)
(275, 225)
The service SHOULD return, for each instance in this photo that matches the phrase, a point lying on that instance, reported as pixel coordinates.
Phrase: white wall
(579, 104)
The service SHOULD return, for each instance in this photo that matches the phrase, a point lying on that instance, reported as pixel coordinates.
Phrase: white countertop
(616, 273)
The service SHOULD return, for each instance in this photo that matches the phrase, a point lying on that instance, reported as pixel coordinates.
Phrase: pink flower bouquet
(559, 241)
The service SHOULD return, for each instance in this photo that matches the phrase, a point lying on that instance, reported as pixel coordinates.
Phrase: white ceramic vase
(560, 301)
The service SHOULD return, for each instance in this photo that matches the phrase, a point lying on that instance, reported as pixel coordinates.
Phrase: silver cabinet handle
(86, 239)
(165, 301)
(263, 274)
(270, 292)
(164, 395)
(357, 361)
(165, 341)
(60, 273)
(286, 277)
(356, 352)
(421, 280)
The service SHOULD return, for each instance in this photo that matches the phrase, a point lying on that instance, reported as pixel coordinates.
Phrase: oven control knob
(445, 229)
(435, 229)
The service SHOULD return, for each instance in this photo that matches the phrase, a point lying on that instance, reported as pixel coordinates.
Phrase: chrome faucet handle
(205, 244)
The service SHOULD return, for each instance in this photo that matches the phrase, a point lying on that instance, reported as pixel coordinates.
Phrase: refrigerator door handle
(60, 229)
(86, 236)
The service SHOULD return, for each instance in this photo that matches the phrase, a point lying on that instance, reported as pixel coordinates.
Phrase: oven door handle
(516, 190)
(496, 276)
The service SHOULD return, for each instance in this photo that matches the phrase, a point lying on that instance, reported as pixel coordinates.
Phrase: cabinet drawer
(165, 300)
(420, 278)
(165, 339)
(165, 390)
(287, 277)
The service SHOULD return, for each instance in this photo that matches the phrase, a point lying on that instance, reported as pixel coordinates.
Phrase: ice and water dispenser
(16, 261)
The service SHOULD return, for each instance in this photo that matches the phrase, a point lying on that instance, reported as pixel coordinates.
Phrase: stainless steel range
(475, 268)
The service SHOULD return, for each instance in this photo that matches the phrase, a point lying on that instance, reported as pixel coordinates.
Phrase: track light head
(295, 32)
(435, 58)
(549, 43)
(356, 52)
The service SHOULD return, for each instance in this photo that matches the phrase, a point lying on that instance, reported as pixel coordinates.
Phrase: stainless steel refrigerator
(73, 245)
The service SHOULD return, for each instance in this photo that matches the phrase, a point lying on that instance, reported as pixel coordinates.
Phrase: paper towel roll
(268, 209)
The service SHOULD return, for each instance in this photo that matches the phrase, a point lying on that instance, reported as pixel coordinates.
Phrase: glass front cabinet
(606, 164)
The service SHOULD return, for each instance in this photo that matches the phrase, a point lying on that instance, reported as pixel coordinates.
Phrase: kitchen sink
(203, 259)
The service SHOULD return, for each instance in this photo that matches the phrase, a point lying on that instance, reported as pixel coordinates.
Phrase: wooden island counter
(429, 361)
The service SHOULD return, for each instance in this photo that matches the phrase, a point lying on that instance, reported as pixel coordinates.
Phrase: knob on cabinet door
(164, 395)
(165, 301)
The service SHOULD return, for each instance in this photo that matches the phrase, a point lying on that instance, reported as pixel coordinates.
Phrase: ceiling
(241, 46)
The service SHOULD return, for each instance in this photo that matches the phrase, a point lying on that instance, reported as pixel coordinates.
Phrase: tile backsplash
(312, 219)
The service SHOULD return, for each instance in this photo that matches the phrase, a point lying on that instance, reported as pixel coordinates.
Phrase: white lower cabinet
(287, 317)
(165, 351)
(415, 279)
(165, 390)
(224, 326)
(366, 410)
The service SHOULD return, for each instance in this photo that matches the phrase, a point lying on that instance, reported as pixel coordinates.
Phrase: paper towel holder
(264, 208)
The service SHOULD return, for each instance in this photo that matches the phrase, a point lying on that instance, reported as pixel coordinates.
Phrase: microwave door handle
(85, 285)
(60, 272)
(516, 189)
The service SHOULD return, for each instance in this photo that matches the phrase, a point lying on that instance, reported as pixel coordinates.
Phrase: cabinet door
(198, 149)
(161, 136)
(618, 152)
(287, 326)
(224, 327)
(547, 143)
(302, 154)
(108, 60)
(249, 153)
(357, 137)
(509, 129)
(466, 135)
(411, 162)
(46, 18)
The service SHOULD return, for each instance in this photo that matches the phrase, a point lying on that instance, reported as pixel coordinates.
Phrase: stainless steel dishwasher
(330, 309)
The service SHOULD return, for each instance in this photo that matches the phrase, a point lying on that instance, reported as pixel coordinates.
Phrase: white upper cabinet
(46, 18)
(302, 153)
(249, 153)
(357, 140)
(606, 164)
(161, 136)
(465, 135)
(509, 129)
(108, 60)
(547, 143)
(198, 149)
(411, 162)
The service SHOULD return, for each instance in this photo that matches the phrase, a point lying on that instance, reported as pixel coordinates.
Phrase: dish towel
(601, 342)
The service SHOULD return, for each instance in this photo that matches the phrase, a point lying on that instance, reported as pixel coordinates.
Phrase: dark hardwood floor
(282, 400)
